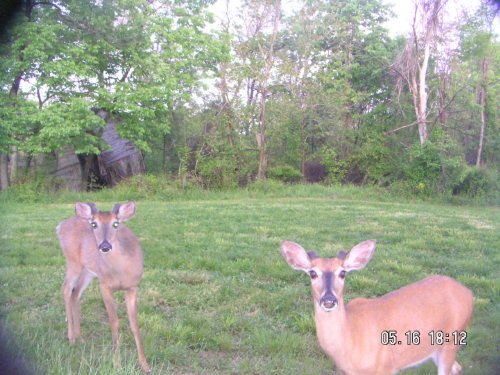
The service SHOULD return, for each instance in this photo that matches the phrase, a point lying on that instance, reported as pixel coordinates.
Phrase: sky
(399, 25)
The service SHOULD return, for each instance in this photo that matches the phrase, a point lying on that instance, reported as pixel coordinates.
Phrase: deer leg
(82, 284)
(131, 300)
(68, 290)
(109, 302)
(446, 361)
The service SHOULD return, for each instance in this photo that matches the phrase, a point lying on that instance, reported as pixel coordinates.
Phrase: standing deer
(421, 321)
(97, 243)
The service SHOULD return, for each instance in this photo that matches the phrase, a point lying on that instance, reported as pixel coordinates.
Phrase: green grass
(217, 298)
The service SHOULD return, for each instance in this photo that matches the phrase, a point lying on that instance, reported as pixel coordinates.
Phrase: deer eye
(342, 274)
(313, 274)
(93, 224)
(115, 224)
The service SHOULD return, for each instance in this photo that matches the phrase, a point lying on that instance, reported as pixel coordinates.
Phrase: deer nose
(105, 246)
(328, 302)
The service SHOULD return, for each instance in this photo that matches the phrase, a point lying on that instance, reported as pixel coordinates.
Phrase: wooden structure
(122, 160)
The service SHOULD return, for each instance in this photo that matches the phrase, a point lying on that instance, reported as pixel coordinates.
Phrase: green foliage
(263, 186)
(336, 168)
(145, 186)
(68, 123)
(35, 187)
(28, 189)
(374, 159)
(285, 173)
(424, 167)
(330, 96)
(122, 56)
(434, 167)
(475, 182)
(217, 172)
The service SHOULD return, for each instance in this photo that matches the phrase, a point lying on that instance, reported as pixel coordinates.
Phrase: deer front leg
(83, 282)
(109, 302)
(70, 301)
(131, 300)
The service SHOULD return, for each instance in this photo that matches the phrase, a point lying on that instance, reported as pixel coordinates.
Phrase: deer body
(98, 244)
(352, 334)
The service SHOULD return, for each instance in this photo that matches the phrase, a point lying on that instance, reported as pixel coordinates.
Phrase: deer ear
(125, 211)
(85, 210)
(359, 256)
(296, 256)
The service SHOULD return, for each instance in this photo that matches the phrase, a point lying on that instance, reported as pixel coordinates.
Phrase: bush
(336, 168)
(285, 173)
(142, 186)
(314, 171)
(475, 182)
(376, 161)
(29, 189)
(217, 173)
(434, 167)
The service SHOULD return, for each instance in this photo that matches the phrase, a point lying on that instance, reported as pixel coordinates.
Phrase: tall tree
(479, 54)
(261, 20)
(414, 60)
(138, 60)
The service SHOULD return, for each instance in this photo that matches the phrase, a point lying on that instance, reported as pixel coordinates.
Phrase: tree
(414, 60)
(257, 49)
(137, 60)
(479, 54)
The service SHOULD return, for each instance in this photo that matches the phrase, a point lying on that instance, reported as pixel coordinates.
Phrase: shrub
(475, 182)
(28, 189)
(217, 173)
(375, 161)
(336, 168)
(314, 171)
(434, 167)
(285, 173)
(142, 186)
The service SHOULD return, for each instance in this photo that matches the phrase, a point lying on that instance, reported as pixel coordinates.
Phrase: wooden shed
(122, 160)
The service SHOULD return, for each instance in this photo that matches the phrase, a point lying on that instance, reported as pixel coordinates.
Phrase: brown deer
(97, 243)
(421, 321)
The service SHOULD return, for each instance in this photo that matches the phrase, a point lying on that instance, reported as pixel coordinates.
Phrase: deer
(422, 321)
(98, 244)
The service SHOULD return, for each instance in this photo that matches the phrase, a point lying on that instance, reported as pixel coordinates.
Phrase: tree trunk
(422, 95)
(4, 171)
(164, 160)
(14, 156)
(268, 57)
(86, 166)
(482, 103)
(303, 147)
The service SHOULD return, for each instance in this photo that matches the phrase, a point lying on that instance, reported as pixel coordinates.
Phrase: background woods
(177, 104)
(310, 91)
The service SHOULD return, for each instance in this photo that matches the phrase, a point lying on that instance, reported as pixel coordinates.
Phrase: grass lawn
(217, 298)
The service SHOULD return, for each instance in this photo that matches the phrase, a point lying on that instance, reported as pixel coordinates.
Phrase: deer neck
(332, 329)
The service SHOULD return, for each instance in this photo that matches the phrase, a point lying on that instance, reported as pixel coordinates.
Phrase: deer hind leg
(109, 302)
(131, 300)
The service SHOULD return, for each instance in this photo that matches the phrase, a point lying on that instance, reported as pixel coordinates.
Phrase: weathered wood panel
(120, 161)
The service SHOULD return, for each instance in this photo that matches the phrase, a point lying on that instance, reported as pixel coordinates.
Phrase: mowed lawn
(217, 297)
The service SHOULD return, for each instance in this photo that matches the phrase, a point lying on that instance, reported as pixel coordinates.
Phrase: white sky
(399, 25)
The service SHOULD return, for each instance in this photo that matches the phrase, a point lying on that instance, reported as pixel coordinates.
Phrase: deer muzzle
(105, 246)
(328, 302)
